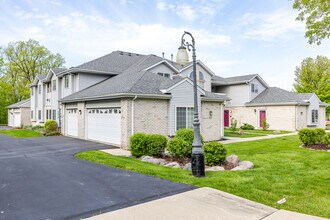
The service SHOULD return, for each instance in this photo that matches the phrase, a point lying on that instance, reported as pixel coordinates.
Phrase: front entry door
(226, 118)
(262, 117)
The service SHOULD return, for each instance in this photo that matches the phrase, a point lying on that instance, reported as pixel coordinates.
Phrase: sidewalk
(230, 140)
(202, 204)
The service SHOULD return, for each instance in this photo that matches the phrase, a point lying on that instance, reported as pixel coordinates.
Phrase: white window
(315, 116)
(66, 81)
(201, 79)
(254, 88)
(54, 84)
(31, 114)
(54, 115)
(48, 88)
(184, 117)
(39, 114)
(167, 75)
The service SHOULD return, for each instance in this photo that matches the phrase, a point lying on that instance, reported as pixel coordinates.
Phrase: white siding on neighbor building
(86, 80)
(40, 102)
(162, 68)
(33, 99)
(66, 91)
(182, 96)
(54, 97)
(207, 76)
(239, 94)
(314, 104)
(261, 88)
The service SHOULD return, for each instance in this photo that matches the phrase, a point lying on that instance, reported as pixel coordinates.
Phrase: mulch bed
(320, 146)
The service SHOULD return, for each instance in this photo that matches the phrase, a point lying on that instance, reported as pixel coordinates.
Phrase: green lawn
(21, 133)
(282, 169)
(252, 133)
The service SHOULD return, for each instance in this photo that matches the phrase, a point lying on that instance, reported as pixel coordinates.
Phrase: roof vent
(129, 54)
(121, 53)
(163, 53)
(171, 56)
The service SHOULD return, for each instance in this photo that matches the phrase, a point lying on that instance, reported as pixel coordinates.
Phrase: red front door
(226, 118)
(262, 117)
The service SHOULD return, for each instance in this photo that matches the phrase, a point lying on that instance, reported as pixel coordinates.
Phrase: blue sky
(233, 37)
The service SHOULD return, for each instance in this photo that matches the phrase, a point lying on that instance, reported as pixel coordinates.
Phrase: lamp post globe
(197, 156)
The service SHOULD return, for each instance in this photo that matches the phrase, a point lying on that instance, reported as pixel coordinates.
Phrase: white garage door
(72, 122)
(104, 125)
(17, 119)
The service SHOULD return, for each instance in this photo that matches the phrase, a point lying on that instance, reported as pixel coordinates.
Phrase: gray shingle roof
(22, 104)
(142, 82)
(41, 76)
(233, 80)
(116, 62)
(305, 96)
(58, 70)
(274, 95)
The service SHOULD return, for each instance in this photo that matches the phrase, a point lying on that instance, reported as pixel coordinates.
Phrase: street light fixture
(197, 157)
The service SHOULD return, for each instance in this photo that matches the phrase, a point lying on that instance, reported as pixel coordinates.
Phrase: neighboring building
(252, 100)
(19, 114)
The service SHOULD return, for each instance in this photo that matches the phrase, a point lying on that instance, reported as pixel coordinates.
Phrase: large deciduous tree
(316, 14)
(313, 75)
(20, 62)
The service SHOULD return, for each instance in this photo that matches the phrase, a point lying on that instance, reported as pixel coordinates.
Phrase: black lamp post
(197, 162)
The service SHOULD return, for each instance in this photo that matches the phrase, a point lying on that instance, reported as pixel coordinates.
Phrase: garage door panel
(104, 125)
(72, 122)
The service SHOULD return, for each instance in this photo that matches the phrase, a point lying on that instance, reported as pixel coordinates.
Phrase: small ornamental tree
(265, 125)
(233, 124)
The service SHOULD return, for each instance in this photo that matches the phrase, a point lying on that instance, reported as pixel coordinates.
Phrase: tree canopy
(313, 75)
(20, 62)
(316, 14)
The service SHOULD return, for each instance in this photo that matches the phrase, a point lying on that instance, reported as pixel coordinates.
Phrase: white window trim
(316, 120)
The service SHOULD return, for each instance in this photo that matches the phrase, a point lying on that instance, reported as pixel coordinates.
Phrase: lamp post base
(197, 165)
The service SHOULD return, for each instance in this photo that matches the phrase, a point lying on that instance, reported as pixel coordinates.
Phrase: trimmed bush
(51, 127)
(320, 132)
(138, 144)
(142, 144)
(308, 136)
(247, 127)
(215, 153)
(326, 139)
(155, 144)
(187, 134)
(38, 128)
(233, 124)
(178, 147)
(265, 125)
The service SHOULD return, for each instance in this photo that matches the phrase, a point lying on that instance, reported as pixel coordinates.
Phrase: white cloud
(279, 24)
(186, 12)
(81, 37)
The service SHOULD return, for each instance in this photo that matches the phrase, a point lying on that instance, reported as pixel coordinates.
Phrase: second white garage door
(104, 125)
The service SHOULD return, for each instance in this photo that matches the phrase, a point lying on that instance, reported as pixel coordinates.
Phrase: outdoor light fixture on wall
(79, 111)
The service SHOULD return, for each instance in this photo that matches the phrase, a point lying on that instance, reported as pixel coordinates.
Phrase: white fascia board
(167, 63)
(186, 79)
(201, 64)
(260, 80)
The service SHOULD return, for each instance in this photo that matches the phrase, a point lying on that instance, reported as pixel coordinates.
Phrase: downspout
(133, 113)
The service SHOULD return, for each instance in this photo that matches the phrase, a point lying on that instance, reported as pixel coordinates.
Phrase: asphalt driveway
(40, 179)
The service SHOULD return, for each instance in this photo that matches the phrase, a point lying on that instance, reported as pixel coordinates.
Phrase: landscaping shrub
(308, 136)
(326, 139)
(142, 144)
(233, 124)
(155, 144)
(320, 132)
(178, 147)
(215, 153)
(247, 127)
(138, 144)
(187, 134)
(38, 128)
(51, 128)
(265, 125)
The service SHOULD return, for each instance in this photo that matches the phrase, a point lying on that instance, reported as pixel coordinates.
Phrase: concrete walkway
(203, 203)
(230, 140)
